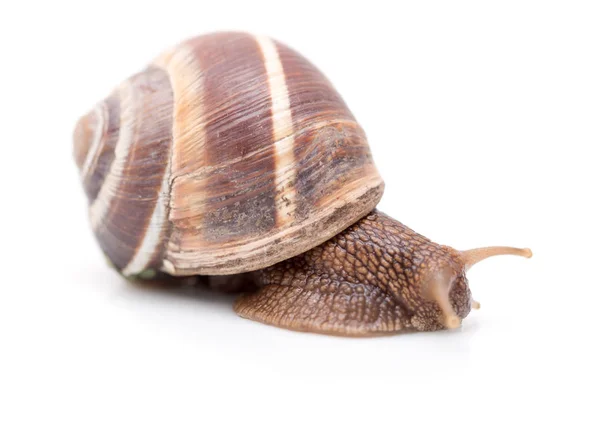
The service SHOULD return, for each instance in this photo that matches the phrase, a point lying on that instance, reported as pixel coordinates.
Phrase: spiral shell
(229, 153)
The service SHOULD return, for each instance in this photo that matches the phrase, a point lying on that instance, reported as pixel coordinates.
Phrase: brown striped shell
(229, 153)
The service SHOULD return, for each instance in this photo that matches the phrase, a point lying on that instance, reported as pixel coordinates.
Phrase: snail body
(232, 156)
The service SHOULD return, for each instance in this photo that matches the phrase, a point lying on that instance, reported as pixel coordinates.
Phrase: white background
(484, 119)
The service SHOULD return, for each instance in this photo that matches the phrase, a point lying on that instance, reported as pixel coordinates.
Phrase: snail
(232, 156)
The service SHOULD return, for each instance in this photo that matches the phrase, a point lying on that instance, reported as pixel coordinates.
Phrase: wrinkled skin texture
(373, 278)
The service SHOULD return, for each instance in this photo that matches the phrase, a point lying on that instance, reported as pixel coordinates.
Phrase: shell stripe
(238, 200)
(130, 211)
(283, 132)
(154, 232)
(328, 157)
(105, 154)
(188, 132)
(100, 117)
(222, 185)
(129, 109)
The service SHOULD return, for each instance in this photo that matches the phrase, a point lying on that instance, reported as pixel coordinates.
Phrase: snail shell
(229, 153)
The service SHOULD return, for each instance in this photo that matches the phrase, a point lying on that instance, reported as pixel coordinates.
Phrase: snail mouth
(87, 137)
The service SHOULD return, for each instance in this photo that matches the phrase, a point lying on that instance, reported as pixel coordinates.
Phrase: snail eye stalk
(474, 256)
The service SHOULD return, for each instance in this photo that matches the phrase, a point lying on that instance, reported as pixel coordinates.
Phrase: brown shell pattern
(229, 153)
